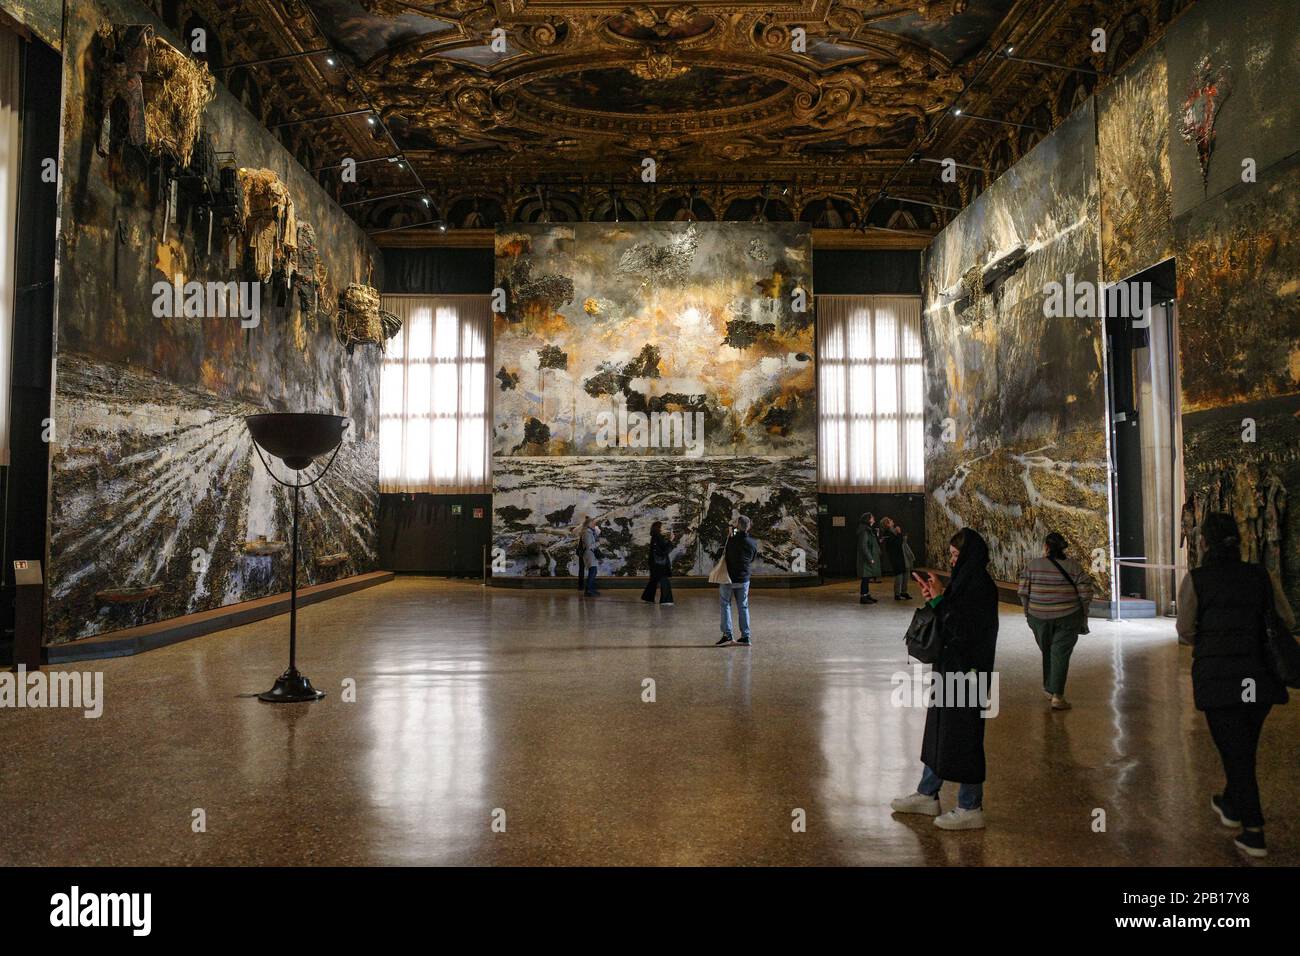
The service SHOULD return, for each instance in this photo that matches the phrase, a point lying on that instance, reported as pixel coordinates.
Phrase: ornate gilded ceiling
(803, 109)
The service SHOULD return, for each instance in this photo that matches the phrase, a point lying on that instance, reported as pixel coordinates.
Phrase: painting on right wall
(1234, 130)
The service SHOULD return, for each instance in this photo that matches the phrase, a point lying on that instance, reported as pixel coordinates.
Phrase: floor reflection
(470, 700)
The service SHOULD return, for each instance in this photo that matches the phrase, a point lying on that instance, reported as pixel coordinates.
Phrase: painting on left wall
(158, 505)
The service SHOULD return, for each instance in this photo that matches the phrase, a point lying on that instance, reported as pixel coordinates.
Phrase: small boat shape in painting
(129, 595)
(261, 546)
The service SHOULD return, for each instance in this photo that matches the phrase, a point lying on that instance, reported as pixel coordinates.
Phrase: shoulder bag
(924, 637)
(1083, 629)
(1281, 652)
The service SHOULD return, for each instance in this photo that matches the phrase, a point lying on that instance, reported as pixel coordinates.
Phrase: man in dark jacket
(739, 554)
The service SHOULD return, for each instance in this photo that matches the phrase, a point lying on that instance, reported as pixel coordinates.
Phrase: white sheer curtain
(9, 158)
(870, 393)
(435, 407)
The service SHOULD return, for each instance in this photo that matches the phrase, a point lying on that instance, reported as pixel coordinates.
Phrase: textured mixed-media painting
(654, 371)
(1015, 400)
(1133, 168)
(1239, 324)
(158, 504)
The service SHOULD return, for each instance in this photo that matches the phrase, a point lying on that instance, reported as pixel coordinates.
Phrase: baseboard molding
(147, 637)
(569, 582)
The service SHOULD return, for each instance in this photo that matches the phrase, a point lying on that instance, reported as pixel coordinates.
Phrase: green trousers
(1056, 639)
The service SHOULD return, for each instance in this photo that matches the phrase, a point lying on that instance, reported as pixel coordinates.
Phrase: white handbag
(719, 573)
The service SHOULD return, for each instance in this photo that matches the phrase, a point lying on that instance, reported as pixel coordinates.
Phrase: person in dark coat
(582, 567)
(901, 559)
(868, 556)
(661, 566)
(1221, 607)
(953, 747)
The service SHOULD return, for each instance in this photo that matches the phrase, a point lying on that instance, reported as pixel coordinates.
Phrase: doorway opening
(1146, 441)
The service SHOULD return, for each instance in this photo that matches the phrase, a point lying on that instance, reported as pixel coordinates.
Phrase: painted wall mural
(1238, 257)
(1222, 200)
(1015, 401)
(42, 17)
(158, 504)
(654, 371)
(1133, 168)
(1231, 64)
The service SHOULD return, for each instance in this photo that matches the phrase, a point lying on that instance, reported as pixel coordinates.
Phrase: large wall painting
(654, 371)
(1239, 324)
(1133, 168)
(1237, 250)
(1015, 400)
(158, 506)
(1232, 67)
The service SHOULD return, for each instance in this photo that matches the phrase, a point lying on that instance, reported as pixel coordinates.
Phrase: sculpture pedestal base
(291, 688)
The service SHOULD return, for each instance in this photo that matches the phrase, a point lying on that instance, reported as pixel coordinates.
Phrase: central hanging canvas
(653, 372)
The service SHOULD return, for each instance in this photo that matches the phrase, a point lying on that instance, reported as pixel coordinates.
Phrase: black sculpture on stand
(296, 438)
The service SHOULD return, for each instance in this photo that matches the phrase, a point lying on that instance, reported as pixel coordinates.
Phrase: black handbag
(1281, 652)
(924, 636)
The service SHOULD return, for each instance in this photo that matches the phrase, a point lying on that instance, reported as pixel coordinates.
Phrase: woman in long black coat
(953, 748)
(661, 567)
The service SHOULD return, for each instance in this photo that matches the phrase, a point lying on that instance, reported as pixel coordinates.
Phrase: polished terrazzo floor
(472, 700)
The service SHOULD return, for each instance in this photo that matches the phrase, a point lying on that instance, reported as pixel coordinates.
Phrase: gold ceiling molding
(712, 90)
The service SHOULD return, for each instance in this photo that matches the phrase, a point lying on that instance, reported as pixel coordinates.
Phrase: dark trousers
(864, 589)
(1056, 638)
(664, 582)
(591, 580)
(1236, 733)
(582, 574)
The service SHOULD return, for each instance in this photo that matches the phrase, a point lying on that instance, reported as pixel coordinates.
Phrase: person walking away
(661, 550)
(868, 556)
(953, 746)
(1221, 613)
(590, 556)
(1056, 594)
(739, 554)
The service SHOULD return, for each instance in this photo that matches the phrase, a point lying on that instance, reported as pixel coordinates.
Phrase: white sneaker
(959, 819)
(916, 803)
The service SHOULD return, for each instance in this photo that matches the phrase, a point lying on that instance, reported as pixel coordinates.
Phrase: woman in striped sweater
(1056, 593)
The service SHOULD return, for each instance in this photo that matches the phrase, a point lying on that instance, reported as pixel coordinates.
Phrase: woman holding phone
(953, 747)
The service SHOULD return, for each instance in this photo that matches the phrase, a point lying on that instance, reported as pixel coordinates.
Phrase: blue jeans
(591, 580)
(741, 594)
(970, 796)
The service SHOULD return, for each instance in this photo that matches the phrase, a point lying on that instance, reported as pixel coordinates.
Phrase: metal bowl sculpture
(297, 439)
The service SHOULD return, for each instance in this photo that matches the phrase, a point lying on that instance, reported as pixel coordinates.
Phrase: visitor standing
(738, 555)
(868, 556)
(901, 558)
(953, 746)
(661, 550)
(590, 555)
